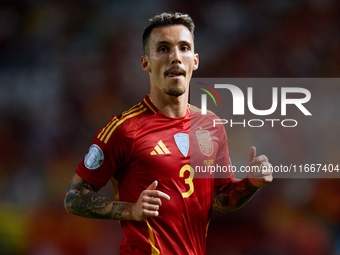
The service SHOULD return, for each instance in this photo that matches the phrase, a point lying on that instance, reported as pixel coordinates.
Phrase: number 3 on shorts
(188, 180)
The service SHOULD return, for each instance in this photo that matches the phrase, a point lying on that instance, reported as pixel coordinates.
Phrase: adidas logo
(160, 148)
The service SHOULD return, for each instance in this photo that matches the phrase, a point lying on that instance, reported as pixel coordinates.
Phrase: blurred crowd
(67, 66)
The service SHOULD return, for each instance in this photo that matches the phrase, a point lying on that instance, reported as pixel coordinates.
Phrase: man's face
(171, 59)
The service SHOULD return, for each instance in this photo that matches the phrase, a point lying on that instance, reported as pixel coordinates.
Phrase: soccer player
(145, 152)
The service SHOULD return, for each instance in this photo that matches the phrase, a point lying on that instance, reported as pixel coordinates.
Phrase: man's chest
(170, 148)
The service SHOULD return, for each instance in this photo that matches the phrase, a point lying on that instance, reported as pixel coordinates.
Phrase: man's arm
(238, 192)
(82, 199)
(234, 195)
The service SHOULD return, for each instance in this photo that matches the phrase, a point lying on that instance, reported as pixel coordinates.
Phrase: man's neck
(171, 106)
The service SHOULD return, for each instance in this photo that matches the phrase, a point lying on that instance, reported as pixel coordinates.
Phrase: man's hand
(238, 192)
(148, 203)
(262, 172)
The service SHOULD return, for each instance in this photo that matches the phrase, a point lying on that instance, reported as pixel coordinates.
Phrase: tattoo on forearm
(235, 195)
(83, 200)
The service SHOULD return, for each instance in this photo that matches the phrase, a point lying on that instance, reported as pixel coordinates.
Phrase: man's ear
(196, 61)
(144, 60)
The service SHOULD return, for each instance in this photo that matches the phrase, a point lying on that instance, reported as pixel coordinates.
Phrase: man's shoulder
(197, 112)
(125, 123)
(133, 116)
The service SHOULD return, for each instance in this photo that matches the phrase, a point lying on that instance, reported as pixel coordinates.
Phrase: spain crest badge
(205, 142)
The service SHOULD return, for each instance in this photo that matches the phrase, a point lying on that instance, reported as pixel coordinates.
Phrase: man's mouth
(175, 72)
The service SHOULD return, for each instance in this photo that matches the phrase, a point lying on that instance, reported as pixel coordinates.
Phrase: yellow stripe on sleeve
(121, 121)
(134, 108)
(106, 129)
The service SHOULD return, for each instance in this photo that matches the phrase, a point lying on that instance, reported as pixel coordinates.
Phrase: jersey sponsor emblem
(182, 142)
(160, 148)
(94, 158)
(205, 142)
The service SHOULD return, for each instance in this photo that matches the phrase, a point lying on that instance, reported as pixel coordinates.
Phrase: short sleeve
(110, 149)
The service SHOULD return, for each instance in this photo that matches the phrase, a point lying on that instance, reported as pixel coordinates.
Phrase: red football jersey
(143, 145)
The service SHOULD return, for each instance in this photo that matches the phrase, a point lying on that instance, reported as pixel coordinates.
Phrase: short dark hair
(167, 19)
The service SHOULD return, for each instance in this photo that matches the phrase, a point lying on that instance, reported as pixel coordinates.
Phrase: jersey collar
(152, 108)
(149, 105)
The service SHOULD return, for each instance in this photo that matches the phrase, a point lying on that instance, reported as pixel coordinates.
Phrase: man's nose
(175, 56)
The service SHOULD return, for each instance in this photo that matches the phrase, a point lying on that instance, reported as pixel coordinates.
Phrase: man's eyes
(166, 49)
(163, 49)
